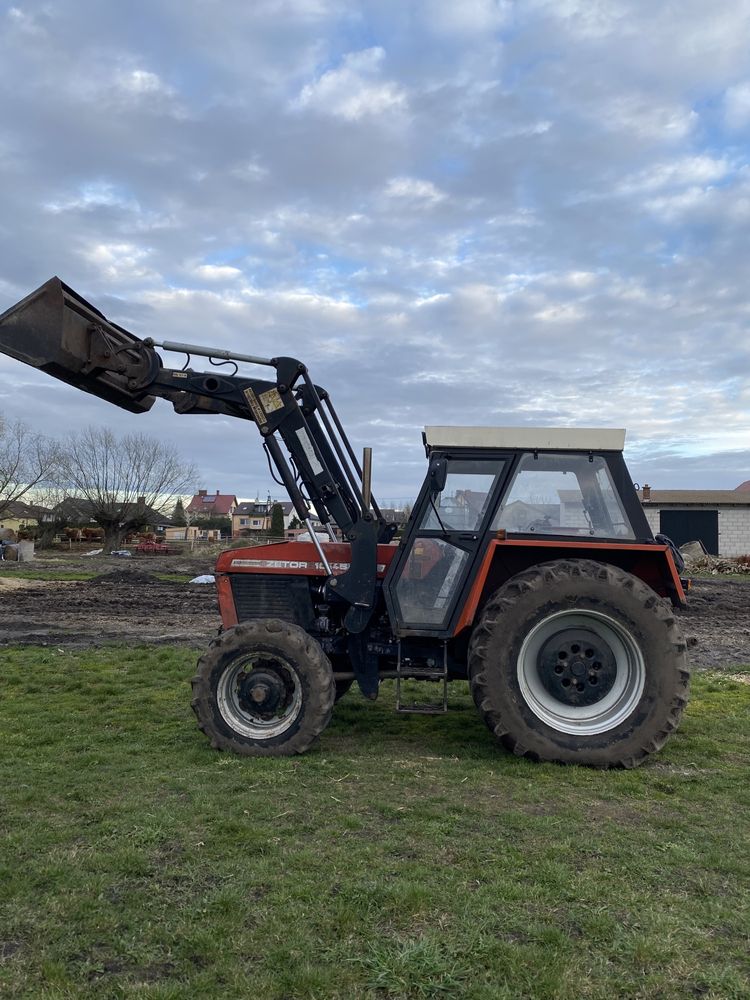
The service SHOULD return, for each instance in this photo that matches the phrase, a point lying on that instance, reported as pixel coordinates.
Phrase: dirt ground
(127, 603)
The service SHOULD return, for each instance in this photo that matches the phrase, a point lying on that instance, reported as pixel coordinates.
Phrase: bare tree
(124, 479)
(27, 460)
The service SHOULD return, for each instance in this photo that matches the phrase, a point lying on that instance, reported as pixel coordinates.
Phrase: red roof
(745, 487)
(212, 504)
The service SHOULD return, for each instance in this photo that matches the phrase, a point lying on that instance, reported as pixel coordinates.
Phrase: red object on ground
(152, 547)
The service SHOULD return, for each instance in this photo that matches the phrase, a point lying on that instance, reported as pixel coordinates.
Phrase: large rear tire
(578, 662)
(264, 688)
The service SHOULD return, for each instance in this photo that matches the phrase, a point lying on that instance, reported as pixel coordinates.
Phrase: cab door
(436, 558)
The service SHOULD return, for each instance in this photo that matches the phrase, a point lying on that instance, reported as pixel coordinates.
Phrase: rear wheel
(264, 688)
(579, 662)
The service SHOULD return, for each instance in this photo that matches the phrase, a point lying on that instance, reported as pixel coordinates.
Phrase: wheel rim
(601, 662)
(260, 696)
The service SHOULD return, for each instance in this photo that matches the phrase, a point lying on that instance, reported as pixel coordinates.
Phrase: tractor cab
(497, 497)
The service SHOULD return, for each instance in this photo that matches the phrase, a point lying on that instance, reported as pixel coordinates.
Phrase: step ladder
(425, 673)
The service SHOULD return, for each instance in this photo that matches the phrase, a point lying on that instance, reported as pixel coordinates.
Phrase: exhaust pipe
(366, 480)
(56, 331)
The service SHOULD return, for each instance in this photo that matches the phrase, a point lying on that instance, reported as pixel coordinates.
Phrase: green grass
(404, 857)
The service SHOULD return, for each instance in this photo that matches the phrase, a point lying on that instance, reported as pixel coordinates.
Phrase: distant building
(254, 516)
(394, 516)
(718, 518)
(251, 517)
(205, 504)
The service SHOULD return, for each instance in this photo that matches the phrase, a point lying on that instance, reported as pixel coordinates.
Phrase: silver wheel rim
(618, 702)
(237, 712)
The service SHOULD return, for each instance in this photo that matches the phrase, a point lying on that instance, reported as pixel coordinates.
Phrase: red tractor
(527, 566)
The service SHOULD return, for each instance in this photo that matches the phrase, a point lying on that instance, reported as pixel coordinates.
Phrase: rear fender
(505, 558)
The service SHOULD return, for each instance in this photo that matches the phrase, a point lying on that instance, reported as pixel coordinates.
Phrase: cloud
(141, 82)
(737, 105)
(413, 190)
(482, 212)
(470, 17)
(217, 272)
(92, 195)
(355, 90)
(680, 172)
(118, 261)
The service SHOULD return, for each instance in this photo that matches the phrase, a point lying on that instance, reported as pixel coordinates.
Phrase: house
(205, 505)
(17, 515)
(522, 516)
(79, 512)
(192, 533)
(254, 516)
(718, 518)
(394, 516)
(251, 517)
(287, 509)
(572, 513)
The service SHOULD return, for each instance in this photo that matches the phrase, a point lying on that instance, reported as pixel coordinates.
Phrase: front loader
(527, 566)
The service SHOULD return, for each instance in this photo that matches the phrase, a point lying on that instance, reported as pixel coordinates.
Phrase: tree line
(122, 481)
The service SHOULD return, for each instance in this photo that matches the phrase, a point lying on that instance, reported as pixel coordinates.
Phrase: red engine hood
(297, 558)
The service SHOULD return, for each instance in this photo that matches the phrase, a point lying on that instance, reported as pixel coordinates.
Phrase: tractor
(527, 565)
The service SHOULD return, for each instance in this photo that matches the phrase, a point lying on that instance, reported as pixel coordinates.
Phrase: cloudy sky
(471, 212)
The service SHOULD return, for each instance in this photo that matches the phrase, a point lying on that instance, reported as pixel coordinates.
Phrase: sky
(483, 212)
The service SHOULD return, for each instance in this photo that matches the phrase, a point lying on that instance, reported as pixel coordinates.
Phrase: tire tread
(539, 579)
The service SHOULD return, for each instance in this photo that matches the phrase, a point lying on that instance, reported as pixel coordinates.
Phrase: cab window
(463, 502)
(553, 494)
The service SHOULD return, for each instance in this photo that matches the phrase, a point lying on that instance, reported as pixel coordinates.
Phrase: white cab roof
(542, 438)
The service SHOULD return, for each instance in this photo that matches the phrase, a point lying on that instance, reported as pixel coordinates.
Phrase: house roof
(255, 508)
(737, 498)
(19, 509)
(262, 507)
(79, 510)
(73, 509)
(212, 504)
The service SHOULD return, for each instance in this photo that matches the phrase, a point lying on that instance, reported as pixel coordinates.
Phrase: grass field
(403, 857)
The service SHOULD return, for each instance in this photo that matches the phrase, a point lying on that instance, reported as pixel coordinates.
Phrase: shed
(718, 518)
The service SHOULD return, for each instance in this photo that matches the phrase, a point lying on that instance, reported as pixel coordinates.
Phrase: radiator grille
(284, 597)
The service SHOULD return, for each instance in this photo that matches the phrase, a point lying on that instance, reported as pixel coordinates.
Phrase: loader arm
(55, 330)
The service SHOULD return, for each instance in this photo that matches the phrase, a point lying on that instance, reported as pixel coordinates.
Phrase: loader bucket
(55, 330)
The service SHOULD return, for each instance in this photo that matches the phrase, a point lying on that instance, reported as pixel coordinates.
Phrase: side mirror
(437, 474)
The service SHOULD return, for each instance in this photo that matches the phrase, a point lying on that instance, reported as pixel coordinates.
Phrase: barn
(718, 518)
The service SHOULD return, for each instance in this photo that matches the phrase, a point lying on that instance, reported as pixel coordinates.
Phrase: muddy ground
(128, 603)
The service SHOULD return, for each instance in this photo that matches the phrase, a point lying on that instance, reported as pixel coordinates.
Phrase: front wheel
(264, 688)
(579, 662)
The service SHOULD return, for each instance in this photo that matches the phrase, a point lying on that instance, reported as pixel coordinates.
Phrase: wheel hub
(261, 692)
(577, 667)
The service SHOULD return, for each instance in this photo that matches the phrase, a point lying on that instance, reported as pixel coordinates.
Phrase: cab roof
(527, 438)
